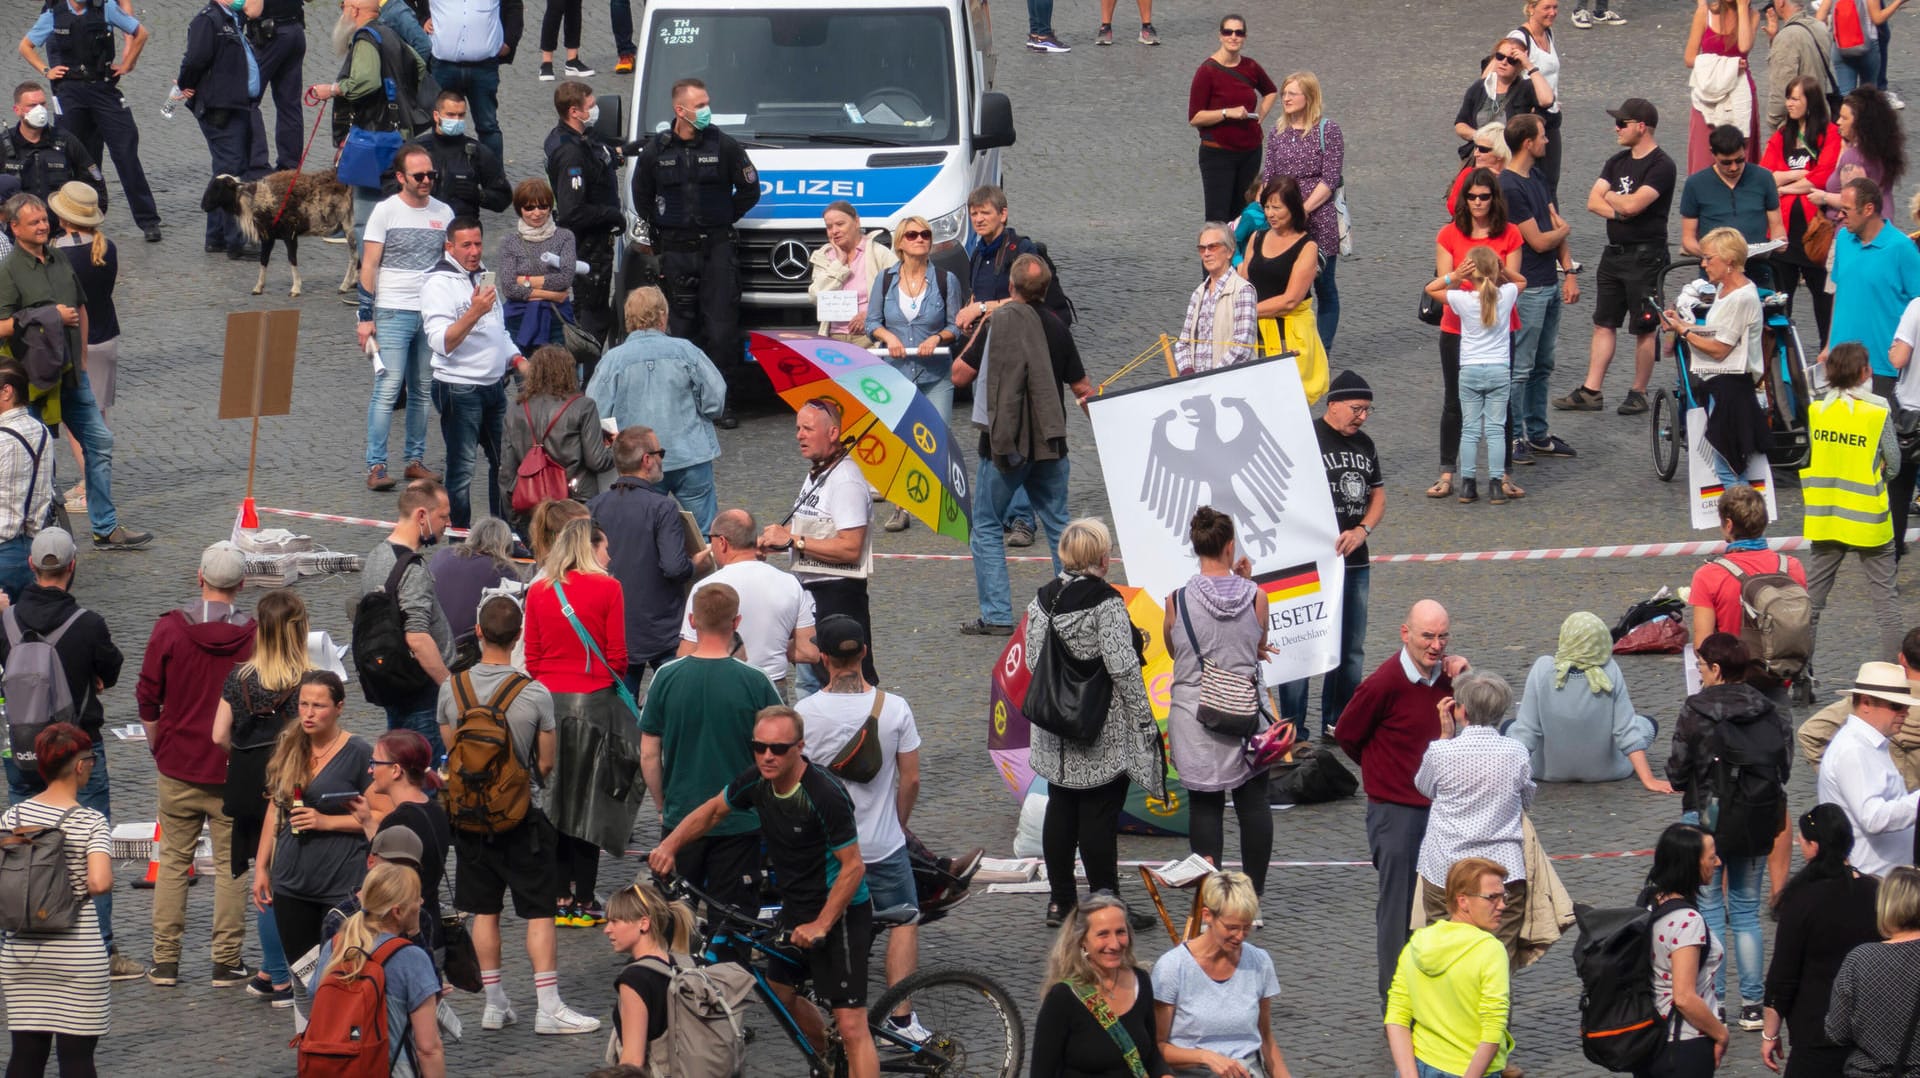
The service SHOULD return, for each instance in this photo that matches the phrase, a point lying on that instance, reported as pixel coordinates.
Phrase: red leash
(297, 169)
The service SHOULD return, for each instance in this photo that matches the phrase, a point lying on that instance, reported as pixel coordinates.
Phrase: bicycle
(977, 1030)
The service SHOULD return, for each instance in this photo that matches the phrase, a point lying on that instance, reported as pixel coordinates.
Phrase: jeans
(273, 957)
(403, 348)
(1533, 359)
(993, 492)
(1039, 18)
(1823, 564)
(1340, 682)
(934, 384)
(470, 417)
(1483, 401)
(184, 808)
(621, 13)
(95, 795)
(1423, 1069)
(1857, 71)
(229, 135)
(1746, 879)
(421, 719)
(692, 487)
(1326, 296)
(14, 574)
(1879, 74)
(80, 414)
(364, 200)
(480, 81)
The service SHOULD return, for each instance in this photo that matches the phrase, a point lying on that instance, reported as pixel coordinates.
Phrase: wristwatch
(800, 544)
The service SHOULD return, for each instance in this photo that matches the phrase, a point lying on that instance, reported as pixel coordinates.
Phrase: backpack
(859, 760)
(1776, 619)
(36, 885)
(540, 478)
(1056, 298)
(1620, 1027)
(1745, 797)
(489, 788)
(347, 1034)
(891, 276)
(381, 655)
(35, 684)
(706, 1034)
(1853, 33)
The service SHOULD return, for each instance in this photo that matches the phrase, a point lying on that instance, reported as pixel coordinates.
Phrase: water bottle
(174, 97)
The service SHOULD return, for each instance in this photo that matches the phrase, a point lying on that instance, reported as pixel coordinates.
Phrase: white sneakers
(564, 1021)
(498, 1017)
(912, 1030)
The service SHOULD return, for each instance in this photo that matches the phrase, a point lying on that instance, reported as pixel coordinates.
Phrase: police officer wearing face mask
(586, 199)
(471, 177)
(691, 183)
(41, 156)
(78, 38)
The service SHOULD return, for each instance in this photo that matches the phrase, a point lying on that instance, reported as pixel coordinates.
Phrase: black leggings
(579, 870)
(1225, 176)
(550, 25)
(1207, 811)
(1450, 408)
(1090, 820)
(299, 922)
(31, 1051)
(1900, 497)
(1786, 275)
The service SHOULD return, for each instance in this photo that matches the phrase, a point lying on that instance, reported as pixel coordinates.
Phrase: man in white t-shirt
(829, 535)
(836, 719)
(1906, 398)
(406, 235)
(776, 613)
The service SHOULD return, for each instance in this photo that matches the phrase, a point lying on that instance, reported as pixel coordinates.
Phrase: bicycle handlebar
(674, 885)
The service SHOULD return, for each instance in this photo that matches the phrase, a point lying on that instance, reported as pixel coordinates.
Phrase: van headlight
(948, 228)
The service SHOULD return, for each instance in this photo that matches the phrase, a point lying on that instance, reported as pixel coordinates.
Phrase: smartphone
(486, 278)
(335, 804)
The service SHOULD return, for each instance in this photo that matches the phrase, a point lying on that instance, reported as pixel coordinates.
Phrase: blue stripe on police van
(876, 193)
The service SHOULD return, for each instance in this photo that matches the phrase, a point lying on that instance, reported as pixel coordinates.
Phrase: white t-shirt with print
(1480, 343)
(1684, 927)
(773, 606)
(412, 242)
(833, 718)
(830, 504)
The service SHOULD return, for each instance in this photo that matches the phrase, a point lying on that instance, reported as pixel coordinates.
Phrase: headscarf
(1585, 644)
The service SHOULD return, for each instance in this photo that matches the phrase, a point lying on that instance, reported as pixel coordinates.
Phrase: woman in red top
(1479, 220)
(1801, 156)
(1228, 102)
(587, 708)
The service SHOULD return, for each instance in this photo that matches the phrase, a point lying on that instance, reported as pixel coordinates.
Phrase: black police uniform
(42, 167)
(91, 106)
(471, 177)
(691, 191)
(586, 202)
(279, 38)
(215, 69)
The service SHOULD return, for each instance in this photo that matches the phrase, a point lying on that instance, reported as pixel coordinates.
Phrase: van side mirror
(995, 128)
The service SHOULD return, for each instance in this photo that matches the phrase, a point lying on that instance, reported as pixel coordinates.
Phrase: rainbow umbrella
(1009, 735)
(902, 445)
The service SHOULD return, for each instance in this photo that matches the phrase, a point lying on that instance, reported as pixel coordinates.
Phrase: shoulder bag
(1430, 309)
(1089, 996)
(1339, 200)
(586, 348)
(1067, 697)
(1229, 702)
(859, 759)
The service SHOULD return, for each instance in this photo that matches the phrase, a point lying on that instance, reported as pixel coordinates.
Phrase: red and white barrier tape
(1603, 856)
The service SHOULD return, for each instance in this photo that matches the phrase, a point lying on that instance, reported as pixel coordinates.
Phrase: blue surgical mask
(455, 126)
(702, 116)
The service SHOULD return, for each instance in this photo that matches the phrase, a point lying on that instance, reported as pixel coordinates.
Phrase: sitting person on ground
(1575, 718)
(1213, 995)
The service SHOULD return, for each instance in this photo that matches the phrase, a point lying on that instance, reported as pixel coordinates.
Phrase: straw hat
(1883, 681)
(77, 203)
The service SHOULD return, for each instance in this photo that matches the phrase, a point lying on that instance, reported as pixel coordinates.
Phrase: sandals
(1442, 487)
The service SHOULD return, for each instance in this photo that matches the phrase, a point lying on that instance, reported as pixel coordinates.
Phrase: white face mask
(38, 116)
(593, 114)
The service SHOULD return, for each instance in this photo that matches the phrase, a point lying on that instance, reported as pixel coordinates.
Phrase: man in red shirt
(1715, 593)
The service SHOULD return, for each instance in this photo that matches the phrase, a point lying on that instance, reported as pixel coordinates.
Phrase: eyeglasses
(423, 177)
(777, 748)
(1433, 638)
(371, 764)
(1477, 148)
(916, 234)
(1242, 32)
(1358, 408)
(1498, 898)
(1484, 196)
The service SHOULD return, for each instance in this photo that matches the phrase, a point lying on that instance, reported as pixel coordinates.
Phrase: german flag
(1718, 489)
(1290, 583)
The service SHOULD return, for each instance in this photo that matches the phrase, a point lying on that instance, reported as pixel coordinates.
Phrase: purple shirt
(1300, 155)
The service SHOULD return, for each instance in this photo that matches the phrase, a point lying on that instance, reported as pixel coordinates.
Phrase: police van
(884, 104)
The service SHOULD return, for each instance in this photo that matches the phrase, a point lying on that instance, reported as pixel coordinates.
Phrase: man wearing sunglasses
(406, 236)
(1730, 194)
(1857, 772)
(813, 843)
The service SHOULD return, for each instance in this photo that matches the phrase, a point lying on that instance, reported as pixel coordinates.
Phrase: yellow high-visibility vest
(1844, 492)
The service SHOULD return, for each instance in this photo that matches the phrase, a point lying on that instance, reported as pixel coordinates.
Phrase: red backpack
(347, 1034)
(540, 477)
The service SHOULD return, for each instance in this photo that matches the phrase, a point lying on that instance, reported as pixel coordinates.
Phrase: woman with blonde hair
(96, 263)
(1309, 148)
(1096, 1017)
(912, 306)
(553, 412)
(1543, 50)
(1481, 291)
(643, 925)
(259, 699)
(1877, 991)
(1726, 353)
(850, 261)
(390, 905)
(1213, 995)
(1489, 152)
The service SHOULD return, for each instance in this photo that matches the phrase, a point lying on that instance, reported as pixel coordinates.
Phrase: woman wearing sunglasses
(1479, 220)
(536, 269)
(1228, 102)
(1509, 85)
(910, 313)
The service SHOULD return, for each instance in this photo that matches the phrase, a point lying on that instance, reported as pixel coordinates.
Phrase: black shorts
(1624, 287)
(520, 861)
(837, 965)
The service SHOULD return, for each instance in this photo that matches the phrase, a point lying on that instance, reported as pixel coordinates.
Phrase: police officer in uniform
(41, 156)
(79, 61)
(220, 78)
(586, 200)
(279, 39)
(471, 177)
(690, 184)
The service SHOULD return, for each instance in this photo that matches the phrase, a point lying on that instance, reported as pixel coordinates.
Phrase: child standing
(1482, 292)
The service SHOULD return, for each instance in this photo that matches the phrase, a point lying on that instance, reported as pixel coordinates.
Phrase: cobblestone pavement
(1104, 171)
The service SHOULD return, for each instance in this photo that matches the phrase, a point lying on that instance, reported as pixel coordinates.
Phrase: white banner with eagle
(1241, 440)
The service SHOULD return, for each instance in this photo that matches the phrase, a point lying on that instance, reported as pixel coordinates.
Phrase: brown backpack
(489, 788)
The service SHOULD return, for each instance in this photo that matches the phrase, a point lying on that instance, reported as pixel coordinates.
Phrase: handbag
(859, 759)
(459, 962)
(1906, 431)
(1298, 332)
(1269, 746)
(366, 156)
(1339, 201)
(1089, 996)
(1818, 240)
(1430, 309)
(1229, 702)
(585, 346)
(1067, 697)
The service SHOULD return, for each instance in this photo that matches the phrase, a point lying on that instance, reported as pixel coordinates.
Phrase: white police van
(886, 104)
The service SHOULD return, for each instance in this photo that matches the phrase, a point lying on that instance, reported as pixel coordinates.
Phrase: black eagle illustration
(1228, 475)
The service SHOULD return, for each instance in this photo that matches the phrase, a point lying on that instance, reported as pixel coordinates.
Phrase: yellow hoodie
(1450, 988)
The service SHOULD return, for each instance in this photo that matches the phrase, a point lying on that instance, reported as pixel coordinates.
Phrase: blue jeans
(14, 574)
(1039, 18)
(692, 487)
(934, 384)
(470, 417)
(421, 719)
(1423, 1069)
(1326, 298)
(273, 957)
(1340, 682)
(1722, 470)
(80, 413)
(621, 12)
(1483, 401)
(403, 348)
(1746, 878)
(94, 795)
(1857, 71)
(480, 81)
(1533, 361)
(993, 491)
(364, 200)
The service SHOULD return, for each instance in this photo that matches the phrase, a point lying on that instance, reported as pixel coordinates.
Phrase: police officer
(691, 183)
(79, 61)
(40, 156)
(586, 199)
(471, 177)
(279, 39)
(220, 78)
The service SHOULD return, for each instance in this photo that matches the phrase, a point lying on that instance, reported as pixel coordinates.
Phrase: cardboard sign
(256, 374)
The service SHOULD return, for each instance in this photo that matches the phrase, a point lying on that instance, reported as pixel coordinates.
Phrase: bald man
(1386, 727)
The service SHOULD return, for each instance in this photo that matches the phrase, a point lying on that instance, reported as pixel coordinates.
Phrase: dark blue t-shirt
(1527, 200)
(1742, 207)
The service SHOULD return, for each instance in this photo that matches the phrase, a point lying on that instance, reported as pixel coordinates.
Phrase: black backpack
(1620, 1027)
(1056, 299)
(1744, 803)
(381, 655)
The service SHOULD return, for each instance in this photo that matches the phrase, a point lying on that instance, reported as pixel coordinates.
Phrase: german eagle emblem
(1245, 476)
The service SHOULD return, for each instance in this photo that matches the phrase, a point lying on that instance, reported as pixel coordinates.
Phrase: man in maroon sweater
(189, 655)
(1386, 727)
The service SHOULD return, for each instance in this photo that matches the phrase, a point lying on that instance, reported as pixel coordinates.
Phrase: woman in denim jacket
(910, 314)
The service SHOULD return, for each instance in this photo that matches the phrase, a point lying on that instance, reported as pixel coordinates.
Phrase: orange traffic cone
(153, 865)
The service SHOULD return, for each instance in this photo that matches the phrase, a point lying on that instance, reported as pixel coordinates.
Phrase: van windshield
(848, 77)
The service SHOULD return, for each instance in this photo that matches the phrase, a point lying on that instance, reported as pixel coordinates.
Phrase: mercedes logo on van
(789, 260)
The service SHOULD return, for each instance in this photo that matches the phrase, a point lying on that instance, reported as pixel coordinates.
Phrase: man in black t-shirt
(1634, 193)
(813, 843)
(1359, 501)
(1543, 257)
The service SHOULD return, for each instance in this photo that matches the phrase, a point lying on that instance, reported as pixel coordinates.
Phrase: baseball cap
(52, 549)
(1637, 108)
(223, 565)
(398, 844)
(839, 636)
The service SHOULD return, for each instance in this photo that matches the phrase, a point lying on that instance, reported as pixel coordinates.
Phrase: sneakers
(1046, 43)
(589, 916)
(910, 1027)
(164, 974)
(498, 1017)
(122, 968)
(1583, 20)
(1610, 18)
(1893, 101)
(261, 987)
(564, 1022)
(225, 976)
(121, 538)
(1553, 447)
(378, 479)
(1020, 533)
(1148, 35)
(418, 470)
(577, 70)
(900, 521)
(624, 65)
(1056, 913)
(1581, 399)
(1635, 404)
(983, 627)
(1752, 1017)
(546, 71)
(1105, 35)
(1519, 452)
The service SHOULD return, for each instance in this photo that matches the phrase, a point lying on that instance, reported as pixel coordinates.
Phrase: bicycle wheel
(1788, 395)
(1669, 431)
(977, 1030)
